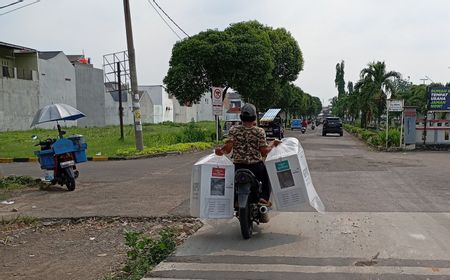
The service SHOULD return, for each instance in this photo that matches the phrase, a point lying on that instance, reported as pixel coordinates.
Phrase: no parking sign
(217, 100)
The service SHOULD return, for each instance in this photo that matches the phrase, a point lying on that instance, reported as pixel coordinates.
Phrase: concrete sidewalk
(318, 246)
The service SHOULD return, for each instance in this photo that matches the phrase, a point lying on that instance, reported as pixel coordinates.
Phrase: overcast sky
(411, 36)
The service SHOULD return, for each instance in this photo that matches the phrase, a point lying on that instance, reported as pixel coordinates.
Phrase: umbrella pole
(59, 131)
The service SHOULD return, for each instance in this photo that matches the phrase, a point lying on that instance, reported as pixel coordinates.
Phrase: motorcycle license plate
(67, 163)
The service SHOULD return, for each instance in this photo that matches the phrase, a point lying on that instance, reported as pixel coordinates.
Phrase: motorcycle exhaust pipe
(263, 209)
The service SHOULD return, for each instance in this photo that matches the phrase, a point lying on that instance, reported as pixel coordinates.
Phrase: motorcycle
(303, 129)
(313, 126)
(248, 208)
(59, 157)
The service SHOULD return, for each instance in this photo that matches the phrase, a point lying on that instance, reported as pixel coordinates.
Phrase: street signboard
(217, 110)
(217, 101)
(217, 94)
(439, 99)
(395, 105)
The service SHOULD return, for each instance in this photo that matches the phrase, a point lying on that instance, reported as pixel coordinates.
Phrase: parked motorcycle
(59, 157)
(303, 129)
(248, 210)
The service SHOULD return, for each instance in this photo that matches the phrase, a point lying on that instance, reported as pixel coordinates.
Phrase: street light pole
(133, 78)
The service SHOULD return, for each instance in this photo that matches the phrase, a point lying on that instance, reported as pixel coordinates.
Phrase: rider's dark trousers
(260, 171)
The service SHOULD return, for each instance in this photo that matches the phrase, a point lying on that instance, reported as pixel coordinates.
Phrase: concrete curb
(95, 158)
(10, 160)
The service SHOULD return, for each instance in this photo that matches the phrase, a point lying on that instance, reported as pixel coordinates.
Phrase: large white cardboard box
(212, 188)
(289, 176)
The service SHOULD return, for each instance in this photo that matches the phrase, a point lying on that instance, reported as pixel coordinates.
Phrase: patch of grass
(19, 220)
(374, 138)
(105, 140)
(144, 253)
(181, 147)
(12, 183)
(15, 182)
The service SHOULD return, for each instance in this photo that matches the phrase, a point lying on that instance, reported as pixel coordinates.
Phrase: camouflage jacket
(246, 143)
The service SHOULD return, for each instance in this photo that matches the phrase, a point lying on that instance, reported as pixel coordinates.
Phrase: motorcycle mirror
(34, 137)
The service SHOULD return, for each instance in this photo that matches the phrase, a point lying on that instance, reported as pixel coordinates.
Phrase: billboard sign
(439, 99)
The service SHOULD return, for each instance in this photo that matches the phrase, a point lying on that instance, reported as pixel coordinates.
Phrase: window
(6, 72)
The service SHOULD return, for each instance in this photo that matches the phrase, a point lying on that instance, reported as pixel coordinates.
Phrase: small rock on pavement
(15, 210)
(102, 255)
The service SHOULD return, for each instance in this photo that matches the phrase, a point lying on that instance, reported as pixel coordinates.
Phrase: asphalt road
(392, 206)
(133, 188)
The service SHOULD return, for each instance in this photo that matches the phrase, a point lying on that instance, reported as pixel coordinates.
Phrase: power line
(171, 19)
(14, 3)
(168, 25)
(32, 3)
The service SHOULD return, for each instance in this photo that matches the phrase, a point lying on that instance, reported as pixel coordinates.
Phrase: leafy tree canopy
(254, 59)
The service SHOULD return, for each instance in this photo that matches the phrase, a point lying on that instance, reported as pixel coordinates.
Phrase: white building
(162, 103)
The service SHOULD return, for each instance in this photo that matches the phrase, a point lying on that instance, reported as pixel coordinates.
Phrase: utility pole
(133, 78)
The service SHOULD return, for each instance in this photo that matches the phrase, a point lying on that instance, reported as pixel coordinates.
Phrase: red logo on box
(218, 172)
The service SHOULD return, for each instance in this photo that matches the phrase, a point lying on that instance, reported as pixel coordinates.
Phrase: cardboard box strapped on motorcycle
(289, 176)
(212, 188)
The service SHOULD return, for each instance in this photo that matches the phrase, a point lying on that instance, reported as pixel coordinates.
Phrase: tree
(290, 101)
(339, 81)
(254, 59)
(316, 106)
(377, 84)
(352, 103)
(415, 95)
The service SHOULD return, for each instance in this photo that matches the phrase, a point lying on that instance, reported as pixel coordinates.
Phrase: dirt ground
(81, 248)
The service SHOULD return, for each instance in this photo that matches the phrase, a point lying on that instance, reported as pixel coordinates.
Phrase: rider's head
(248, 113)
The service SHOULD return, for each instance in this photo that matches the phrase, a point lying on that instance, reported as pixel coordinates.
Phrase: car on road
(296, 124)
(332, 125)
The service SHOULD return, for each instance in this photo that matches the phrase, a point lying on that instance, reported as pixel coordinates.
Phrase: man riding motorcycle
(249, 146)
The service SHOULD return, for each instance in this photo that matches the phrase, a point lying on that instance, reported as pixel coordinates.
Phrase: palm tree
(365, 101)
(378, 83)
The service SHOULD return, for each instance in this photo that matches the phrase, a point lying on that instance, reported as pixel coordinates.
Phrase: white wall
(163, 107)
(90, 95)
(147, 109)
(204, 108)
(111, 110)
(18, 103)
(183, 114)
(57, 83)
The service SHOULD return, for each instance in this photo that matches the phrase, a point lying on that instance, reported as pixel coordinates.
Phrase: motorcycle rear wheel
(70, 180)
(245, 220)
(70, 184)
